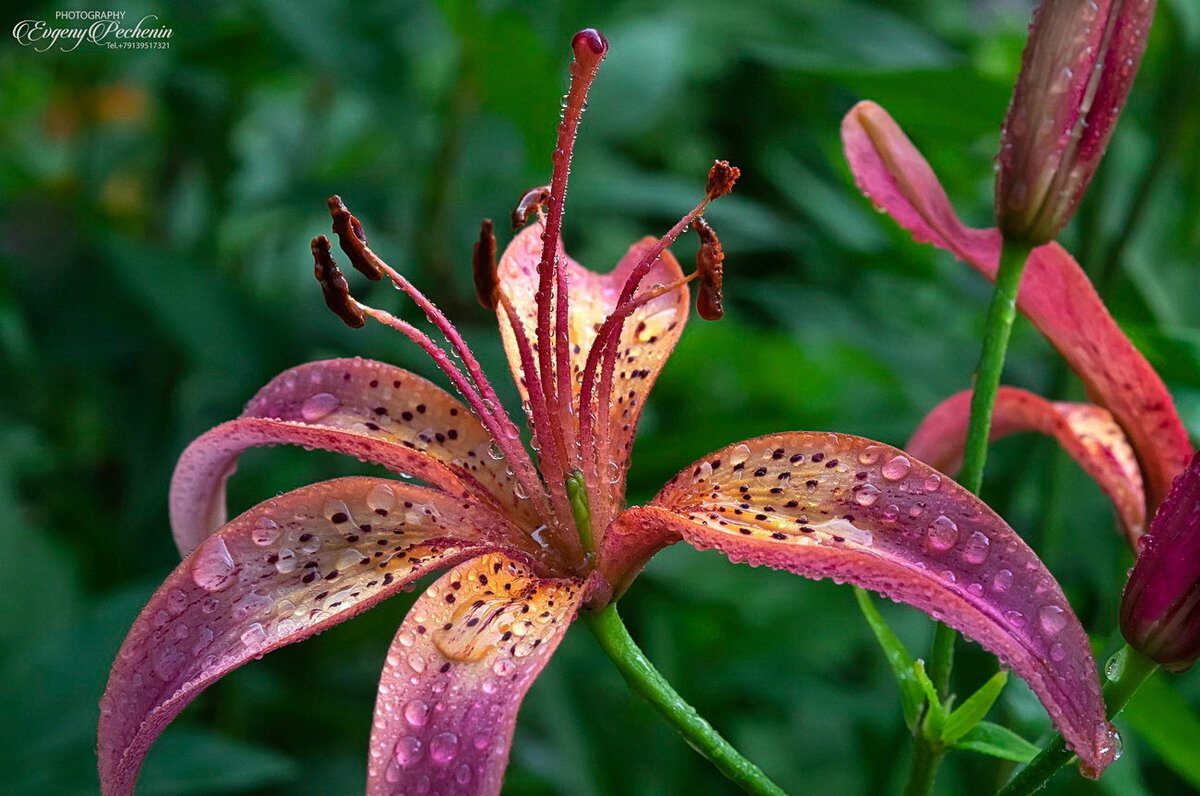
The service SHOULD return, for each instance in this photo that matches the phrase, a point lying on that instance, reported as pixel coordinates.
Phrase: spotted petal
(367, 409)
(843, 507)
(456, 674)
(649, 335)
(1055, 294)
(280, 572)
(1087, 432)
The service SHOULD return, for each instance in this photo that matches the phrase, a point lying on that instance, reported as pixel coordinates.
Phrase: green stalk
(645, 681)
(1117, 692)
(996, 333)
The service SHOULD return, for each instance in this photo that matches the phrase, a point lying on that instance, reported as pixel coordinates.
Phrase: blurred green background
(156, 213)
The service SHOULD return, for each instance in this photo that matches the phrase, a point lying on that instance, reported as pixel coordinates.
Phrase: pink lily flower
(531, 542)
(1135, 417)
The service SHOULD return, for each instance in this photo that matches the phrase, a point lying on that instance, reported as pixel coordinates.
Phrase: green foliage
(155, 211)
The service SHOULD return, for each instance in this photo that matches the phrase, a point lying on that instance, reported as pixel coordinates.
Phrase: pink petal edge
(456, 674)
(287, 568)
(857, 511)
(370, 410)
(1086, 432)
(1055, 294)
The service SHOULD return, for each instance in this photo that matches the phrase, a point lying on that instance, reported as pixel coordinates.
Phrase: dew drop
(416, 662)
(408, 750)
(213, 568)
(444, 747)
(976, 589)
(177, 602)
(1002, 580)
(318, 406)
(416, 712)
(265, 531)
(1115, 666)
(943, 533)
(867, 495)
(1015, 618)
(1052, 618)
(1057, 652)
(975, 549)
(870, 454)
(503, 667)
(739, 454)
(349, 557)
(381, 498)
(490, 685)
(896, 468)
(285, 561)
(933, 482)
(463, 775)
(890, 513)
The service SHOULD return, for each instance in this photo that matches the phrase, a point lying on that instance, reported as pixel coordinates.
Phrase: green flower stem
(645, 681)
(996, 333)
(923, 766)
(1055, 755)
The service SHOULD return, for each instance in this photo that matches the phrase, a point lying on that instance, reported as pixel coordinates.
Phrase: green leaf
(911, 696)
(188, 760)
(1163, 718)
(996, 741)
(976, 706)
(935, 714)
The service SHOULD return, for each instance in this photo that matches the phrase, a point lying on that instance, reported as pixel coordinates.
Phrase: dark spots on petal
(445, 667)
(778, 535)
(406, 416)
(777, 453)
(791, 504)
(796, 457)
(374, 383)
(760, 472)
(831, 463)
(381, 410)
(372, 426)
(450, 598)
(420, 409)
(339, 517)
(332, 575)
(818, 457)
(760, 517)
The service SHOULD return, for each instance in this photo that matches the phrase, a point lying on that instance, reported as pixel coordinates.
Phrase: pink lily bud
(1076, 72)
(1160, 612)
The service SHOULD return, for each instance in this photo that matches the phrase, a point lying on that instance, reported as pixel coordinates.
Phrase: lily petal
(1085, 431)
(1055, 294)
(456, 674)
(285, 569)
(649, 335)
(359, 407)
(843, 507)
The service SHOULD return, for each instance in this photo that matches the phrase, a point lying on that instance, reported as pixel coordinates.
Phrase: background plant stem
(1055, 754)
(996, 333)
(645, 681)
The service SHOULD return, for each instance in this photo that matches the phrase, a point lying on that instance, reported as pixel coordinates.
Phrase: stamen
(334, 285)
(590, 48)
(721, 179)
(353, 240)
(490, 414)
(533, 201)
(487, 281)
(710, 266)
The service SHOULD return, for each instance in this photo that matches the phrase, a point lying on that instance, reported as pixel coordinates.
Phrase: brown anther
(710, 266)
(352, 239)
(721, 178)
(334, 285)
(487, 281)
(533, 200)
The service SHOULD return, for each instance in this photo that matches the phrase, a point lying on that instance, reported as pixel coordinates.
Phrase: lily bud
(1076, 73)
(1160, 611)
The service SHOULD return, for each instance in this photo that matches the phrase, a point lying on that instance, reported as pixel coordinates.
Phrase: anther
(721, 178)
(334, 286)
(487, 282)
(590, 47)
(352, 239)
(710, 266)
(533, 200)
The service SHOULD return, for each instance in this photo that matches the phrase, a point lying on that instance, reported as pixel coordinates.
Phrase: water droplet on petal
(1052, 618)
(870, 454)
(933, 482)
(943, 533)
(416, 662)
(1057, 652)
(318, 406)
(408, 750)
(381, 498)
(416, 712)
(285, 560)
(254, 635)
(1002, 580)
(265, 531)
(444, 747)
(503, 667)
(463, 775)
(975, 549)
(739, 454)
(896, 468)
(213, 568)
(1015, 618)
(867, 495)
(349, 557)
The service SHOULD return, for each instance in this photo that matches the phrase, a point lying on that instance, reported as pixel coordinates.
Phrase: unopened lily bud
(1160, 611)
(710, 266)
(1076, 73)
